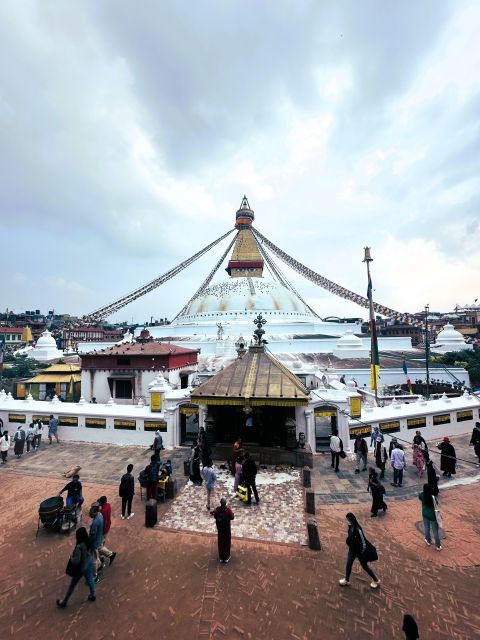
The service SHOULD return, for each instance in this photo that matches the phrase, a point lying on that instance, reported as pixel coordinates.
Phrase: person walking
(429, 516)
(106, 511)
(126, 491)
(238, 473)
(448, 458)
(336, 446)
(360, 449)
(4, 446)
(95, 536)
(374, 437)
(152, 471)
(158, 444)
(81, 564)
(377, 490)
(31, 433)
(418, 447)
(249, 472)
(223, 517)
(393, 444)
(19, 441)
(398, 462)
(38, 433)
(359, 548)
(381, 456)
(195, 475)
(210, 479)
(475, 440)
(53, 430)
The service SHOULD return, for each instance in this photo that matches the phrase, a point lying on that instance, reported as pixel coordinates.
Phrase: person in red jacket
(106, 511)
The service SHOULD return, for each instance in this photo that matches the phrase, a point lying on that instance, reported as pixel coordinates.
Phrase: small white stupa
(46, 349)
(350, 346)
(449, 339)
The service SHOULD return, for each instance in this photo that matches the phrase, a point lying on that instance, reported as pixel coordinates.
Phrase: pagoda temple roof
(255, 379)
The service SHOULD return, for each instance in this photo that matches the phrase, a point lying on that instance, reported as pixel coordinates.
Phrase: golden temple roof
(246, 248)
(256, 379)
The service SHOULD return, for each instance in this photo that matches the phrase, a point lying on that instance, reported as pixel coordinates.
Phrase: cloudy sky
(130, 132)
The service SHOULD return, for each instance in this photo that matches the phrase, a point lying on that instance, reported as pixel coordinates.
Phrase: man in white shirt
(398, 463)
(336, 445)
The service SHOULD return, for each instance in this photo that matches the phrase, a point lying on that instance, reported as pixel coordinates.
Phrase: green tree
(470, 360)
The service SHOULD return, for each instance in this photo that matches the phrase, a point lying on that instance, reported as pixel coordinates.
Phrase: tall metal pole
(374, 357)
(427, 350)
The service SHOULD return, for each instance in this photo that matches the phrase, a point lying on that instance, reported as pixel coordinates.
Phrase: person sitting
(74, 492)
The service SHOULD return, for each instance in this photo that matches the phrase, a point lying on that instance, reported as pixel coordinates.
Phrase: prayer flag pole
(374, 358)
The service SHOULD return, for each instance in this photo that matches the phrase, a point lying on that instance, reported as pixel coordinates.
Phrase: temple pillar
(310, 429)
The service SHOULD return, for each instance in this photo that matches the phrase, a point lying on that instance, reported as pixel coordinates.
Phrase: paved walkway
(347, 487)
(168, 584)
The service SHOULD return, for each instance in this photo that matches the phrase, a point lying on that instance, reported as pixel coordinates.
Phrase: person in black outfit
(74, 491)
(358, 547)
(126, 491)
(410, 627)
(249, 472)
(475, 440)
(432, 478)
(448, 458)
(377, 490)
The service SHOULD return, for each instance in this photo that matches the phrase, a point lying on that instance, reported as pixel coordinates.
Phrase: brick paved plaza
(167, 583)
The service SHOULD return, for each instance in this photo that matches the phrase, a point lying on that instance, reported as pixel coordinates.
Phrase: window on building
(123, 389)
(183, 381)
(123, 361)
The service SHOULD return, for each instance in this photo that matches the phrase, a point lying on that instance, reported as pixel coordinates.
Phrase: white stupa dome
(46, 348)
(349, 341)
(449, 339)
(243, 299)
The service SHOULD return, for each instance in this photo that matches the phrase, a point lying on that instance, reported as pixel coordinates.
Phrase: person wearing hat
(448, 458)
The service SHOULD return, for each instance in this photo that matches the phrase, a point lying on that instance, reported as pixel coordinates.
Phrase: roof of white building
(399, 410)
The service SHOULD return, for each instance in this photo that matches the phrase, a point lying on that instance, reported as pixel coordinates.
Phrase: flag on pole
(405, 371)
(374, 357)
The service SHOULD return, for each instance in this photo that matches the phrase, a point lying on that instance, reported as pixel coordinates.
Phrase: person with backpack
(80, 564)
(126, 492)
(152, 472)
(223, 516)
(359, 548)
(336, 447)
(19, 441)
